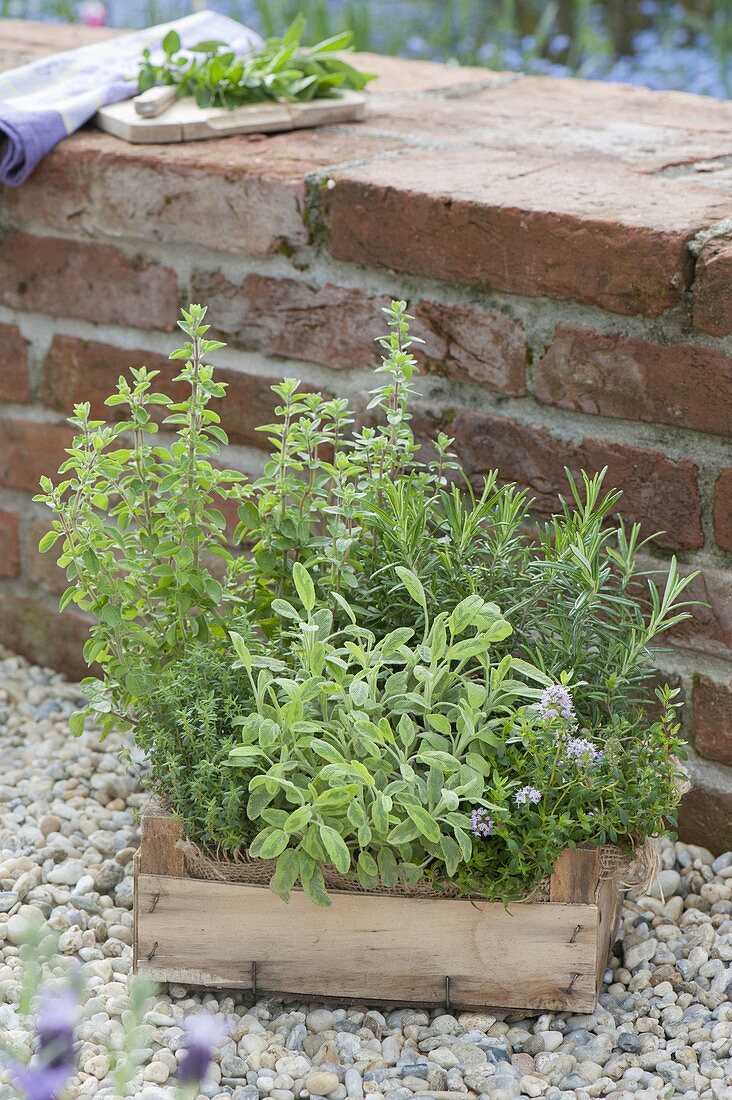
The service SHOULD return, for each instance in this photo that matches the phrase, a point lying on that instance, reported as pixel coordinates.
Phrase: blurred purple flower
(56, 1057)
(205, 1032)
(55, 1027)
(42, 1082)
(556, 702)
(527, 794)
(480, 823)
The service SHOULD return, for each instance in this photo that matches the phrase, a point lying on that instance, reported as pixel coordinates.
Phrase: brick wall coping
(599, 194)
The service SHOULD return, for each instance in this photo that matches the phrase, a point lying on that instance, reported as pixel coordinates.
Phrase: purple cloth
(45, 101)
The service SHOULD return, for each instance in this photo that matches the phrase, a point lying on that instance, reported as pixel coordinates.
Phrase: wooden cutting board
(184, 121)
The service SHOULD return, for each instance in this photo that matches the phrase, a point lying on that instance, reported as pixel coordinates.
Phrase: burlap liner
(631, 871)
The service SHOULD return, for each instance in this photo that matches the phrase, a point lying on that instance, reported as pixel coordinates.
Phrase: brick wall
(567, 251)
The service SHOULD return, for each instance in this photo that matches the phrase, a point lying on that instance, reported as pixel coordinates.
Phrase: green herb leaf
(171, 43)
(286, 873)
(413, 585)
(426, 824)
(304, 585)
(336, 848)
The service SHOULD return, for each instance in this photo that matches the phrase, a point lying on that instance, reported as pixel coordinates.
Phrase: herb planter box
(547, 955)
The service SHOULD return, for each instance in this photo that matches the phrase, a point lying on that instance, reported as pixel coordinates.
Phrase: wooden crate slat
(159, 851)
(610, 904)
(368, 946)
(575, 876)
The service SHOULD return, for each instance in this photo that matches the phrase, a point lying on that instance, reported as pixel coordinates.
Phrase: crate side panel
(368, 946)
(609, 904)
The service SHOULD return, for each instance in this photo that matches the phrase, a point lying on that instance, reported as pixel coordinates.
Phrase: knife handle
(155, 100)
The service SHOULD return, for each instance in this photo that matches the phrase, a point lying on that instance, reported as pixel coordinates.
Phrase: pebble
(157, 1072)
(322, 1083)
(68, 831)
(320, 1020)
(108, 876)
(354, 1084)
(67, 873)
(8, 900)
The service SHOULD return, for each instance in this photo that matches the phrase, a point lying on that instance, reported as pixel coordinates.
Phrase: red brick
(29, 449)
(42, 39)
(713, 718)
(709, 630)
(87, 370)
(723, 510)
(77, 370)
(397, 79)
(681, 384)
(466, 342)
(9, 544)
(243, 194)
(336, 326)
(41, 569)
(79, 279)
(586, 229)
(660, 493)
(712, 291)
(705, 815)
(14, 380)
(609, 123)
(42, 634)
(249, 403)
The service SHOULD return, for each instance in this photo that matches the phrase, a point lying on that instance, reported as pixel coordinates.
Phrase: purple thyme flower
(527, 794)
(480, 824)
(556, 702)
(42, 1082)
(581, 751)
(205, 1032)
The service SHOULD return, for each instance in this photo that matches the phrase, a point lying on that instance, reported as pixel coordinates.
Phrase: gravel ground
(67, 835)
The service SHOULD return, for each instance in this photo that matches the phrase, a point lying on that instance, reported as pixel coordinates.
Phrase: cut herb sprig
(215, 76)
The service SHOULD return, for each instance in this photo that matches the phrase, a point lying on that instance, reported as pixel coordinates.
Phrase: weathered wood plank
(610, 904)
(575, 877)
(532, 956)
(135, 906)
(159, 851)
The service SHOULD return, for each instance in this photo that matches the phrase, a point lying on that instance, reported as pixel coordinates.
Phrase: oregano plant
(139, 523)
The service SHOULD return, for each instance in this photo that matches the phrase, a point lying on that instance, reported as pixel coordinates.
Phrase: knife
(155, 100)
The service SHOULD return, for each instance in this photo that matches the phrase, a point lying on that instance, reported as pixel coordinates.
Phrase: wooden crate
(371, 947)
